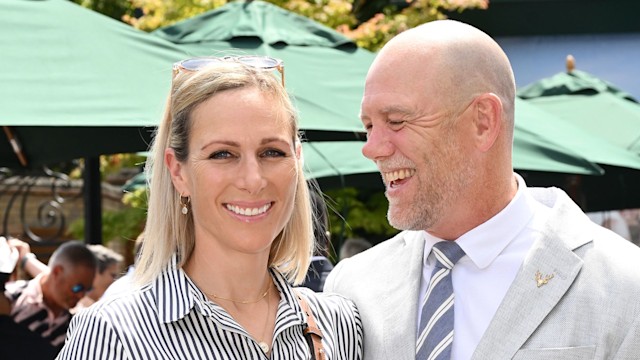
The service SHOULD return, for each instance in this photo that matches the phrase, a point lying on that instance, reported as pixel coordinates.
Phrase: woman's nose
(251, 177)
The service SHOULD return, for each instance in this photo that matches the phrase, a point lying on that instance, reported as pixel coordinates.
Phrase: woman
(229, 228)
(106, 273)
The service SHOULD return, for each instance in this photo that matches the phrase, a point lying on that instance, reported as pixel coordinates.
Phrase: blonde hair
(167, 231)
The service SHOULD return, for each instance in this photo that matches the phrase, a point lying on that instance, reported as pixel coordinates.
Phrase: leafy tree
(391, 18)
(370, 23)
(113, 8)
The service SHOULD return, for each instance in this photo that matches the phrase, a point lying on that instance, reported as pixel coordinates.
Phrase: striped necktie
(435, 334)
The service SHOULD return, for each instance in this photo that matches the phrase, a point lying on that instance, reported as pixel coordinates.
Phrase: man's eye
(395, 124)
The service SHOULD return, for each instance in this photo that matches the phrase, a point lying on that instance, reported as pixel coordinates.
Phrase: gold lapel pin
(542, 280)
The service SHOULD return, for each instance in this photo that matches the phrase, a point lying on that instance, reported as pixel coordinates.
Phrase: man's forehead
(80, 271)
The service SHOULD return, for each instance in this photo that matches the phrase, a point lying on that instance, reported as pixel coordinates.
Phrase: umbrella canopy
(325, 73)
(591, 104)
(76, 83)
(601, 110)
(324, 70)
(592, 147)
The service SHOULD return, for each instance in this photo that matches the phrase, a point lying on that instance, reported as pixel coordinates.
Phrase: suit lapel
(528, 301)
(400, 305)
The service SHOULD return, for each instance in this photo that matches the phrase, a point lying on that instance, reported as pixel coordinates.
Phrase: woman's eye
(220, 155)
(273, 153)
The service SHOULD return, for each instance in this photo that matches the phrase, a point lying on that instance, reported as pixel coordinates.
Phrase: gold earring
(185, 209)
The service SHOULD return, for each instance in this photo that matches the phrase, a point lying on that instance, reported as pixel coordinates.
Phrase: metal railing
(17, 186)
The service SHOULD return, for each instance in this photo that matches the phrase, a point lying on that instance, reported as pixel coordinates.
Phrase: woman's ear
(488, 120)
(175, 170)
(299, 154)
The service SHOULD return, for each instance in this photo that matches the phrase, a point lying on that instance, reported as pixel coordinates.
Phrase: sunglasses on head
(255, 61)
(78, 288)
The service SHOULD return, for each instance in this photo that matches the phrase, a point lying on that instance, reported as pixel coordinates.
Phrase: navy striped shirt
(172, 319)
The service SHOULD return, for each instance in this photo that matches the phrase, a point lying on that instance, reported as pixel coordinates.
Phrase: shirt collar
(172, 293)
(176, 295)
(485, 242)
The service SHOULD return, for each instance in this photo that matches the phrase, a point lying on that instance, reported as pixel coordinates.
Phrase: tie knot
(447, 254)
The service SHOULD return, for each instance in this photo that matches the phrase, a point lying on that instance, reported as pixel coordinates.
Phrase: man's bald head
(455, 61)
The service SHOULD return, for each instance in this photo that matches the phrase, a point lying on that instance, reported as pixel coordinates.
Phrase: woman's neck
(223, 274)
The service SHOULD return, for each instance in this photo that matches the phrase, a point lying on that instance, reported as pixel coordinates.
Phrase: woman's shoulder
(124, 302)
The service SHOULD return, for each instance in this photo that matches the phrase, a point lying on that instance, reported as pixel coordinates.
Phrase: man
(16, 342)
(42, 304)
(537, 279)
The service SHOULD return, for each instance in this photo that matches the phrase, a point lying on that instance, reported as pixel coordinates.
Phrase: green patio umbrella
(590, 103)
(324, 70)
(592, 147)
(604, 111)
(75, 83)
(325, 73)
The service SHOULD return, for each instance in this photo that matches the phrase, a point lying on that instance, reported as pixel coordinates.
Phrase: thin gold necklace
(263, 345)
(268, 289)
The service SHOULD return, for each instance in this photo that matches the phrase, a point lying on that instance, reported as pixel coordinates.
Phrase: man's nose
(378, 145)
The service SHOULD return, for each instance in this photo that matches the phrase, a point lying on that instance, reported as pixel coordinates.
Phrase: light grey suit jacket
(590, 309)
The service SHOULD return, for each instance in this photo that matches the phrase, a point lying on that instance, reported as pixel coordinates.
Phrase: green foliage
(115, 9)
(110, 164)
(125, 224)
(373, 33)
(332, 13)
(155, 14)
(384, 19)
(358, 213)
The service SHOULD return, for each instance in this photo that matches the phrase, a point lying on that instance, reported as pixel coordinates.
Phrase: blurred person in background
(109, 263)
(16, 341)
(125, 282)
(42, 304)
(353, 246)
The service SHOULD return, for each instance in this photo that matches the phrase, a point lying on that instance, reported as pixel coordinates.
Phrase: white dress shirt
(495, 250)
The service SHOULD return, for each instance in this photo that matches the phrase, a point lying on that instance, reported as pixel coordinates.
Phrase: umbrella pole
(92, 201)
(15, 145)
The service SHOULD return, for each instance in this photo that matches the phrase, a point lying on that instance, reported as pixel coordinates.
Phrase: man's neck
(45, 283)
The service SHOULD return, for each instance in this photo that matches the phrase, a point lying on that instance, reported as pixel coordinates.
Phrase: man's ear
(175, 170)
(57, 270)
(488, 120)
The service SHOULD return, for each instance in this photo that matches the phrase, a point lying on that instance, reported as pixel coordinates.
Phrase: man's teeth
(248, 211)
(398, 175)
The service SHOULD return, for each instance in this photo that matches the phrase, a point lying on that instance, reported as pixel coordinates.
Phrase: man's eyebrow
(391, 109)
(395, 109)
